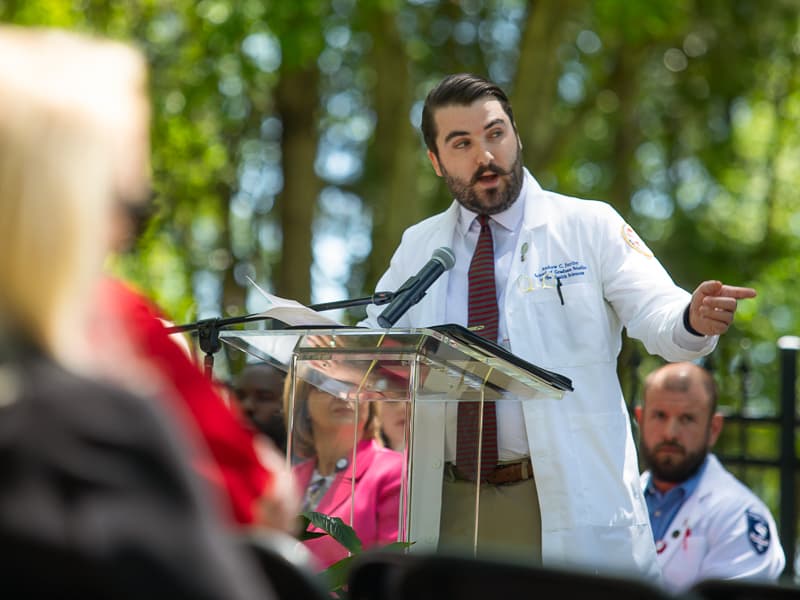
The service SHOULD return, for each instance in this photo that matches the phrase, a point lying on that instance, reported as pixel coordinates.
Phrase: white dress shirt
(512, 439)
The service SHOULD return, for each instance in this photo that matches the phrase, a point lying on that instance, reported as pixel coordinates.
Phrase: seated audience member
(394, 424)
(258, 392)
(706, 524)
(97, 495)
(324, 431)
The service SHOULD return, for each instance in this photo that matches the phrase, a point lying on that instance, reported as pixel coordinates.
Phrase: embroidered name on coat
(563, 271)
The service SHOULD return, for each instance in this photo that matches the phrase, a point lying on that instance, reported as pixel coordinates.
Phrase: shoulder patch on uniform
(634, 241)
(758, 533)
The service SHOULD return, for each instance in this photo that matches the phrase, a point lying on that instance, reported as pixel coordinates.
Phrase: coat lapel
(341, 488)
(434, 309)
(535, 215)
(674, 536)
(686, 518)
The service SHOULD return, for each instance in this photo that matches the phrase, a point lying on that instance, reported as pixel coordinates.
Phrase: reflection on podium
(339, 379)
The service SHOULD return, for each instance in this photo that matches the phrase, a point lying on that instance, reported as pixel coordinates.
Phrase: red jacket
(375, 503)
(233, 465)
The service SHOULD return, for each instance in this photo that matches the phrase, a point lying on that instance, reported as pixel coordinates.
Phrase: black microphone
(413, 290)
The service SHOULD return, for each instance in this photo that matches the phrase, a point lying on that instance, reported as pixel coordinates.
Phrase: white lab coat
(584, 456)
(722, 531)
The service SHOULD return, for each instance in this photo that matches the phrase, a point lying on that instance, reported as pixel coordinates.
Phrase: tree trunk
(627, 135)
(296, 97)
(536, 83)
(393, 155)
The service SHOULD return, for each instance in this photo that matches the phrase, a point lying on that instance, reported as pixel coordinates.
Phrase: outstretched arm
(713, 305)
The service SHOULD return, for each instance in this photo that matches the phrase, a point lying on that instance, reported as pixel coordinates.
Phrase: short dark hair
(461, 89)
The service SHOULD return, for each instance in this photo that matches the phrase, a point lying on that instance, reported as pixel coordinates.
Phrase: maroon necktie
(483, 320)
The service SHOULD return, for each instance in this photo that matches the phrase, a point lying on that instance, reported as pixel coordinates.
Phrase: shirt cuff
(688, 325)
(687, 337)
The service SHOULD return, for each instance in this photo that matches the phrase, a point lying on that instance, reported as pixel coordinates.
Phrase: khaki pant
(509, 524)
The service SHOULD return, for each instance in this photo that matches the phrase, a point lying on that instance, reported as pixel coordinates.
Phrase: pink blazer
(376, 500)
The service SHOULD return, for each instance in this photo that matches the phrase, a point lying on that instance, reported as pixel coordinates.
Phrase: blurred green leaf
(337, 529)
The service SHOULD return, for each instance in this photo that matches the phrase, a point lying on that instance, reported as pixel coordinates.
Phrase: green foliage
(336, 574)
(332, 526)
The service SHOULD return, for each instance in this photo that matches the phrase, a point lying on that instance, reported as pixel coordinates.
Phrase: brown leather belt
(503, 474)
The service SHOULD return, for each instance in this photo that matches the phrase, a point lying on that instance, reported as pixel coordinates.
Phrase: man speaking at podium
(553, 279)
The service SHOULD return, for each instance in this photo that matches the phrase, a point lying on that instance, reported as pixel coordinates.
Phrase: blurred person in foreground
(324, 430)
(133, 346)
(554, 280)
(258, 392)
(706, 523)
(245, 468)
(97, 497)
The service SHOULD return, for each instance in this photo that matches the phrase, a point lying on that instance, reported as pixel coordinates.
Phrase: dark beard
(677, 469)
(465, 193)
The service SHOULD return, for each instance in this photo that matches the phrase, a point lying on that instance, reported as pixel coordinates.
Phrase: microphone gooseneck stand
(399, 302)
(208, 329)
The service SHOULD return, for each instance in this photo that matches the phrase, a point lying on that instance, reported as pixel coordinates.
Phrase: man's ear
(435, 162)
(637, 410)
(716, 428)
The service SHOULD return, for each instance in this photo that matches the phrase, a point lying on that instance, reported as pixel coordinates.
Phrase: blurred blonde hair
(64, 98)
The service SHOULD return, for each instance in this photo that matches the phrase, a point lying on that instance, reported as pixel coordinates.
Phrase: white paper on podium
(291, 312)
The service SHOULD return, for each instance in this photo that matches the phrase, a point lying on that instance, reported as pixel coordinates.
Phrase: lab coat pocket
(571, 322)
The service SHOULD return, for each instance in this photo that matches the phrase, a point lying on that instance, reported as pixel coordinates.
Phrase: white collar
(509, 219)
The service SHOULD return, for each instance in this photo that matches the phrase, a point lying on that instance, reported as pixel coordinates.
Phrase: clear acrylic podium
(430, 369)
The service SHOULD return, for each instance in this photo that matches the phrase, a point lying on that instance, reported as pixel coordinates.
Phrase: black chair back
(287, 567)
(373, 575)
(738, 589)
(438, 577)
